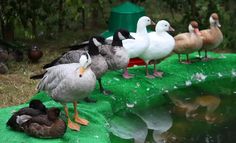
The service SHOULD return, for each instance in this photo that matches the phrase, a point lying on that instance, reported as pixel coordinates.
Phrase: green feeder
(124, 16)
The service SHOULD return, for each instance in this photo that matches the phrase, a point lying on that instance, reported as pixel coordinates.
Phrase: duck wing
(56, 75)
(24, 111)
(40, 119)
(72, 56)
(79, 46)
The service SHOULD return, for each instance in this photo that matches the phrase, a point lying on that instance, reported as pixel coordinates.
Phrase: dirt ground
(16, 87)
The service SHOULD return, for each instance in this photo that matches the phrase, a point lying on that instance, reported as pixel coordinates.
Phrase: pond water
(202, 113)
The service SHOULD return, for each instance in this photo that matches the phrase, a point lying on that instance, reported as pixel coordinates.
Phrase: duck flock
(72, 76)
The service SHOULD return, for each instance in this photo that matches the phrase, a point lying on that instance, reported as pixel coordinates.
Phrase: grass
(16, 87)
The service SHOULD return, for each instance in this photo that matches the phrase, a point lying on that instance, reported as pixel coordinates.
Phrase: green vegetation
(26, 19)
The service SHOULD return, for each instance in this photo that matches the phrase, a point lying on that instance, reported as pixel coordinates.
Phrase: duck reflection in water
(210, 102)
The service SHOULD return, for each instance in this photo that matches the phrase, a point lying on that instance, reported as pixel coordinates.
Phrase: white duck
(189, 42)
(135, 47)
(212, 37)
(67, 83)
(161, 45)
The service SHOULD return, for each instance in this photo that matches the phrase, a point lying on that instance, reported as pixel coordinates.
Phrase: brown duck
(189, 42)
(45, 126)
(34, 54)
(212, 37)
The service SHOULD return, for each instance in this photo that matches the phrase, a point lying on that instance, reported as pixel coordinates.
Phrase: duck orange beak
(196, 30)
(171, 29)
(218, 24)
(81, 71)
(153, 23)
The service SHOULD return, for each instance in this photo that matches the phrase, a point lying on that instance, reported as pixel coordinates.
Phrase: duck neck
(93, 50)
(116, 41)
(141, 29)
(161, 32)
(213, 26)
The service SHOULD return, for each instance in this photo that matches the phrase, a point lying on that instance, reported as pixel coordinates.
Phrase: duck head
(94, 43)
(143, 22)
(214, 20)
(37, 104)
(119, 35)
(53, 113)
(163, 25)
(85, 62)
(193, 28)
(123, 34)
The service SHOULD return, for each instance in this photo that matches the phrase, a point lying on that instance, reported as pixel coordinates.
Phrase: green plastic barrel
(124, 16)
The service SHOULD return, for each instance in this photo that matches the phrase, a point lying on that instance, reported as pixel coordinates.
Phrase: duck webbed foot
(186, 62)
(102, 90)
(77, 118)
(157, 74)
(73, 126)
(90, 100)
(81, 121)
(127, 75)
(106, 92)
(150, 76)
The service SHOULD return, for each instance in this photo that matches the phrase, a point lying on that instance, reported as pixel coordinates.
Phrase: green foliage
(200, 10)
(38, 17)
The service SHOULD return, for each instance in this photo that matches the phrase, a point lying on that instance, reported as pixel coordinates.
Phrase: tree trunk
(34, 26)
(61, 16)
(194, 13)
(9, 31)
(7, 26)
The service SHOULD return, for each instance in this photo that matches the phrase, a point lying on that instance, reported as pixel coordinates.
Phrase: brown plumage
(189, 42)
(46, 126)
(212, 37)
(34, 54)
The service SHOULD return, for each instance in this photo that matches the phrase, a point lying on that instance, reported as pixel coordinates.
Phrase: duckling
(186, 43)
(69, 83)
(34, 54)
(45, 126)
(212, 37)
(36, 107)
(161, 45)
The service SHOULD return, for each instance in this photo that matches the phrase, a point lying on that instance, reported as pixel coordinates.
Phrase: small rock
(3, 68)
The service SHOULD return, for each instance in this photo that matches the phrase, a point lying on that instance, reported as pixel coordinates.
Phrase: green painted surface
(124, 16)
(129, 95)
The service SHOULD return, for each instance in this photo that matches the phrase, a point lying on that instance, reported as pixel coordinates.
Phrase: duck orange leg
(76, 116)
(71, 124)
